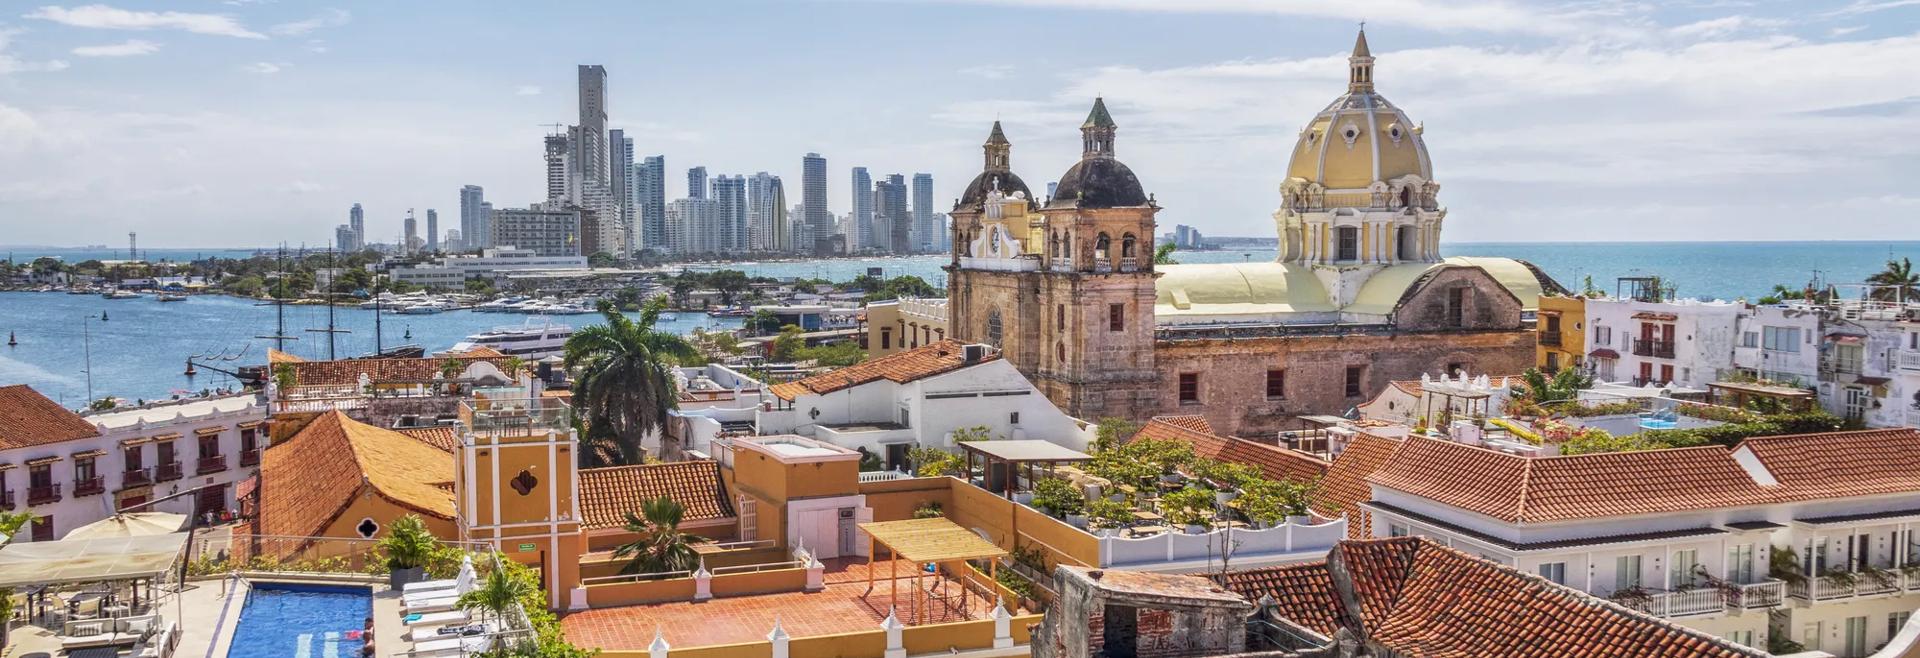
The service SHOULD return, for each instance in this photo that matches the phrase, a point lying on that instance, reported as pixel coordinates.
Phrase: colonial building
(1358, 297)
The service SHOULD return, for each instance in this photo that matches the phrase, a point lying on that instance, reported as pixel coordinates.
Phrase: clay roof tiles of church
(309, 479)
(900, 367)
(1416, 597)
(28, 419)
(1196, 423)
(1275, 462)
(442, 437)
(1345, 486)
(608, 494)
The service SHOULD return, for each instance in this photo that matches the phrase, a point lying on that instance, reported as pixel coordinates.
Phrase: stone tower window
(1101, 245)
(993, 328)
(1349, 243)
(1127, 246)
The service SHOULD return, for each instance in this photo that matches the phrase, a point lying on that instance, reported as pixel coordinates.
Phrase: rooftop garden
(1148, 485)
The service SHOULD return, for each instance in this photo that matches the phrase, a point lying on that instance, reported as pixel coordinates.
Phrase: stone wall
(1486, 303)
(1172, 616)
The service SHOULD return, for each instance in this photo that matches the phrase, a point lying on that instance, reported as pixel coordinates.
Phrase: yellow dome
(1359, 138)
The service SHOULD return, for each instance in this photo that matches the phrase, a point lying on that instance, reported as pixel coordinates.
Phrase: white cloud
(263, 68)
(1845, 30)
(328, 18)
(12, 64)
(1724, 26)
(111, 18)
(989, 71)
(317, 46)
(128, 48)
(1588, 19)
(526, 90)
(1867, 7)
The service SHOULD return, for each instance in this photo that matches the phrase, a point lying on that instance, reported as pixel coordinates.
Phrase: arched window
(1053, 245)
(1100, 246)
(1406, 197)
(993, 328)
(1060, 353)
(1126, 246)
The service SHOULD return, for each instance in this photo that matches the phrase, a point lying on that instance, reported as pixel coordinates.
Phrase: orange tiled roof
(1835, 464)
(1345, 485)
(28, 418)
(608, 494)
(1522, 490)
(1416, 597)
(441, 437)
(309, 479)
(1275, 462)
(347, 371)
(900, 367)
(1196, 422)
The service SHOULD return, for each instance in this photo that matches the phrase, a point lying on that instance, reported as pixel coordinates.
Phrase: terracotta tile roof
(1521, 490)
(900, 367)
(442, 437)
(28, 418)
(608, 494)
(309, 479)
(1196, 423)
(1275, 462)
(347, 371)
(1418, 598)
(1345, 486)
(277, 356)
(1835, 464)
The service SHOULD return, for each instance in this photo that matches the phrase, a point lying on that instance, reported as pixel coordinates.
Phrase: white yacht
(537, 338)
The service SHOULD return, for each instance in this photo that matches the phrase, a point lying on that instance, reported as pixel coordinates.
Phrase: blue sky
(247, 122)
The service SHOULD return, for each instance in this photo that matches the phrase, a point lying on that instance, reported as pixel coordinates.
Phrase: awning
(7, 467)
(44, 460)
(96, 452)
(1846, 339)
(136, 524)
(931, 540)
(250, 424)
(211, 430)
(1870, 380)
(138, 440)
(1651, 315)
(89, 560)
(1604, 353)
(169, 436)
(1026, 450)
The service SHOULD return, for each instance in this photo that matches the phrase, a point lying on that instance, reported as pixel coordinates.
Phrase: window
(1189, 388)
(249, 439)
(1276, 384)
(1602, 335)
(993, 328)
(1743, 638)
(906, 418)
(1553, 324)
(1626, 572)
(749, 510)
(1397, 530)
(1349, 243)
(1457, 307)
(1456, 367)
(40, 475)
(1681, 564)
(367, 528)
(1060, 353)
(1127, 246)
(1555, 572)
(1856, 637)
(1896, 620)
(886, 338)
(43, 527)
(1740, 563)
(1101, 245)
(209, 445)
(1116, 317)
(1013, 418)
(84, 469)
(1060, 316)
(1354, 376)
(132, 455)
(1780, 339)
(1749, 339)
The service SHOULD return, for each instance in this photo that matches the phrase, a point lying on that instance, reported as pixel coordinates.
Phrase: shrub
(934, 462)
(1109, 513)
(929, 510)
(1272, 502)
(408, 544)
(1058, 497)
(1599, 409)
(1189, 506)
(1515, 429)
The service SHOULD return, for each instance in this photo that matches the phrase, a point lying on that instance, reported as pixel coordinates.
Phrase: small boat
(422, 309)
(669, 317)
(11, 341)
(534, 339)
(172, 297)
(120, 294)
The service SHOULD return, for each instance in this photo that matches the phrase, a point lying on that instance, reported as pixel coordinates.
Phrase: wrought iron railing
(211, 464)
(42, 495)
(135, 477)
(1659, 349)
(90, 486)
(167, 472)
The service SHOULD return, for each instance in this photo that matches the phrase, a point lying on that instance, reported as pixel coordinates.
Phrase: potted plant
(1228, 479)
(1191, 507)
(1058, 497)
(928, 510)
(1108, 516)
(408, 545)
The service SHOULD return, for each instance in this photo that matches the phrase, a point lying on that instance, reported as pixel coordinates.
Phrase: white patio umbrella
(463, 582)
(136, 524)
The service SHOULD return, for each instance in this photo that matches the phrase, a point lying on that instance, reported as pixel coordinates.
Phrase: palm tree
(623, 384)
(660, 547)
(498, 592)
(1896, 283)
(1164, 255)
(1535, 386)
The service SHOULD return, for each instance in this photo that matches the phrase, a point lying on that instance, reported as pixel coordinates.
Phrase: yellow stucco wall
(1572, 350)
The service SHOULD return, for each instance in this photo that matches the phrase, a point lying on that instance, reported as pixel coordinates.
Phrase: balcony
(1909, 360)
(43, 495)
(497, 418)
(167, 472)
(136, 478)
(250, 457)
(211, 464)
(1701, 601)
(91, 486)
(1550, 338)
(1838, 365)
(6, 499)
(1766, 594)
(1659, 349)
(1853, 585)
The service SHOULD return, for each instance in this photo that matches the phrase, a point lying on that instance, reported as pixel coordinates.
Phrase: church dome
(1098, 180)
(1006, 181)
(1360, 137)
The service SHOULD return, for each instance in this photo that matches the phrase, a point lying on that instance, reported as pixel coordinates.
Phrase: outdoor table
(1145, 530)
(1143, 515)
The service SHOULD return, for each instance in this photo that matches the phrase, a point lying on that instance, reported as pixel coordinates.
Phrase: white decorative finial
(659, 648)
(778, 634)
(892, 622)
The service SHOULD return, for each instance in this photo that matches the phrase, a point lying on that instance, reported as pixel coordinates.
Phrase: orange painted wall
(895, 500)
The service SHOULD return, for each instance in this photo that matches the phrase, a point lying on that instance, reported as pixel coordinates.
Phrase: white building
(1432, 399)
(1807, 535)
(546, 229)
(453, 271)
(1686, 342)
(1861, 356)
(72, 470)
(690, 226)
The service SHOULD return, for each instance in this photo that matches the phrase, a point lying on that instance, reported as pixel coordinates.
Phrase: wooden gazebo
(922, 542)
(1738, 394)
(1003, 463)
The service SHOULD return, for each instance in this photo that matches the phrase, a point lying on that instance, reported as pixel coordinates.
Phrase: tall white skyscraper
(651, 187)
(862, 236)
(925, 235)
(560, 174)
(591, 151)
(697, 183)
(473, 222)
(433, 230)
(813, 195)
(357, 219)
(410, 234)
(891, 219)
(730, 214)
(345, 238)
(690, 226)
(767, 228)
(624, 192)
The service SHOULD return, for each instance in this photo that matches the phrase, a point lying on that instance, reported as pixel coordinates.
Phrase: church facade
(1068, 289)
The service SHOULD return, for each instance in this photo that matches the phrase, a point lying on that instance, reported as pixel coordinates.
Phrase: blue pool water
(301, 621)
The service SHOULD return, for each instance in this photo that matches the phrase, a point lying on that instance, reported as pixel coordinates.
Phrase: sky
(204, 123)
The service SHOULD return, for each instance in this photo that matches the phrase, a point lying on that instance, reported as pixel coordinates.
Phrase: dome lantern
(1360, 66)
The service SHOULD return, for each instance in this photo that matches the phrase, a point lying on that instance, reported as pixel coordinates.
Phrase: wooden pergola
(922, 542)
(1739, 393)
(1001, 462)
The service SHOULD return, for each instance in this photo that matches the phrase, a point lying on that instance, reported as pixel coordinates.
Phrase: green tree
(786, 346)
(496, 594)
(623, 383)
(480, 287)
(729, 283)
(763, 322)
(660, 547)
(1897, 282)
(245, 286)
(600, 259)
(1164, 255)
(1536, 387)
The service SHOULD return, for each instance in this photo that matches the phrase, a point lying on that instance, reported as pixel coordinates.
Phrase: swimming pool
(302, 621)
